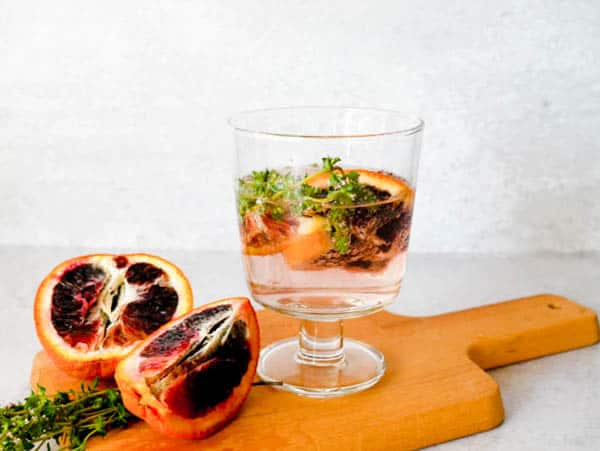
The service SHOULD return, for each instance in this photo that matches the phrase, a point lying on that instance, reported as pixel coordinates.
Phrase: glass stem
(321, 343)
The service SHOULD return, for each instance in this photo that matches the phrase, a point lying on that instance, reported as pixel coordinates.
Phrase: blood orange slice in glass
(394, 187)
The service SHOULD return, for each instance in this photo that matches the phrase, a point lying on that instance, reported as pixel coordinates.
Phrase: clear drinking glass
(324, 202)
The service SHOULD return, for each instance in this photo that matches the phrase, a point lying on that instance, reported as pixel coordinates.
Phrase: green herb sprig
(272, 193)
(344, 187)
(68, 418)
(267, 192)
(344, 190)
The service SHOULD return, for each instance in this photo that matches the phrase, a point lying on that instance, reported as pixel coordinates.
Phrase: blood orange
(394, 186)
(191, 377)
(309, 242)
(265, 235)
(90, 311)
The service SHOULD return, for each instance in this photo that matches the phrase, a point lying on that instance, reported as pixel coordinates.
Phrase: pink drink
(294, 265)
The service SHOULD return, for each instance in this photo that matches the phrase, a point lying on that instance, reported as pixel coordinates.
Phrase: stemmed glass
(324, 202)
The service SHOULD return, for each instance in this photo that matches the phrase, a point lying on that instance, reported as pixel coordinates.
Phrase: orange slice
(396, 187)
(263, 235)
(310, 240)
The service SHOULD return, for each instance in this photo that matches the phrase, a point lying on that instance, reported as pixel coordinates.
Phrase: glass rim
(236, 122)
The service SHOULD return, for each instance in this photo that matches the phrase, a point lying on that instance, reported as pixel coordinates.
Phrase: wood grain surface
(435, 388)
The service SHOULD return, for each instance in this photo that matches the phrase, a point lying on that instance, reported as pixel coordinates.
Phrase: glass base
(360, 368)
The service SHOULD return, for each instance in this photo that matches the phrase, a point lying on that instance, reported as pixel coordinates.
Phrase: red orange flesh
(78, 348)
(168, 407)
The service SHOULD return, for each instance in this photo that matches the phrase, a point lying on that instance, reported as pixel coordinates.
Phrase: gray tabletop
(551, 403)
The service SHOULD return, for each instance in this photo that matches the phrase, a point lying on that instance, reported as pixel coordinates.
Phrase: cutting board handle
(521, 329)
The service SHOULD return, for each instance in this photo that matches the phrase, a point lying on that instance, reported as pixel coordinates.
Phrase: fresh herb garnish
(267, 192)
(68, 418)
(277, 195)
(344, 187)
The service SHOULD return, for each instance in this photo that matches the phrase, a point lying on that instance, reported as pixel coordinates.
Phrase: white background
(113, 114)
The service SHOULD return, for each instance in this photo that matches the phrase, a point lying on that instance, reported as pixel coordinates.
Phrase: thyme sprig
(67, 418)
(277, 194)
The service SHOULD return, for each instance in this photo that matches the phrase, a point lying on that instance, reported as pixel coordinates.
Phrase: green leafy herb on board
(68, 418)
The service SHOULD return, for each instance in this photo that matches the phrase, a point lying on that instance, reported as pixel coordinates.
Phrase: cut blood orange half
(191, 377)
(395, 187)
(90, 311)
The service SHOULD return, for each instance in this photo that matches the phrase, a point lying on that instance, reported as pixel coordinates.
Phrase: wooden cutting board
(435, 388)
